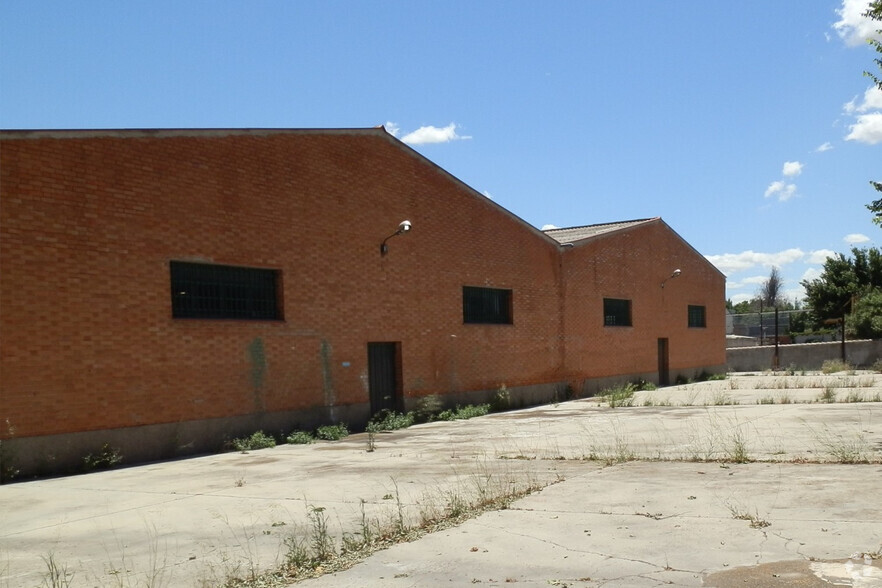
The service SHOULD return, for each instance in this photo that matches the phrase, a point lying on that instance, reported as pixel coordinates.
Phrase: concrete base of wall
(64, 454)
(805, 356)
(595, 386)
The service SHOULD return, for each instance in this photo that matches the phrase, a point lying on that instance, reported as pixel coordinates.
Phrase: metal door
(383, 376)
(663, 376)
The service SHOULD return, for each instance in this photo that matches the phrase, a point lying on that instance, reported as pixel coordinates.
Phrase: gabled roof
(573, 234)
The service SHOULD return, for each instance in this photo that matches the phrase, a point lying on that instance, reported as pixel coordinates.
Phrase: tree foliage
(843, 282)
(771, 291)
(865, 322)
(874, 12)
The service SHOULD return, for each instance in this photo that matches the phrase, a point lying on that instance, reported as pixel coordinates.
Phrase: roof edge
(12, 134)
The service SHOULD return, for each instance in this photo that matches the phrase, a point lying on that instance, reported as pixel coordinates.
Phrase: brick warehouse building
(161, 290)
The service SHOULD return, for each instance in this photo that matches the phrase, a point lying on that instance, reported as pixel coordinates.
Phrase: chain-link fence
(762, 325)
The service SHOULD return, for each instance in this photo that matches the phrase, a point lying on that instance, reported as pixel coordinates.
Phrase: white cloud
(819, 256)
(487, 194)
(391, 128)
(854, 238)
(867, 129)
(792, 168)
(735, 262)
(751, 281)
(548, 227)
(810, 274)
(825, 147)
(737, 298)
(431, 134)
(853, 27)
(797, 293)
(872, 100)
(781, 190)
(754, 280)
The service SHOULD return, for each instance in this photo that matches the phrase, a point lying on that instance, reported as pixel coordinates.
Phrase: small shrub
(300, 438)
(426, 408)
(828, 395)
(389, 420)
(715, 377)
(642, 384)
(105, 459)
(621, 396)
(831, 366)
(332, 432)
(257, 440)
(501, 400)
(877, 366)
(854, 396)
(463, 412)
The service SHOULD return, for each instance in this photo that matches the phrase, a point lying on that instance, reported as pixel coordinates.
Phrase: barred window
(208, 291)
(697, 316)
(486, 305)
(616, 312)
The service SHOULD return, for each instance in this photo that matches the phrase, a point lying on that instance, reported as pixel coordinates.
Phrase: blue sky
(747, 126)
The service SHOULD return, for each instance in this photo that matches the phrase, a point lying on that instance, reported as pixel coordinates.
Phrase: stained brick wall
(632, 264)
(90, 220)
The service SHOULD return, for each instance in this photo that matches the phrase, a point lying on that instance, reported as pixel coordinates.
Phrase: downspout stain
(327, 382)
(257, 356)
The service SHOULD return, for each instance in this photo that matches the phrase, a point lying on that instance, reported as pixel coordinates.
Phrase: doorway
(663, 373)
(384, 376)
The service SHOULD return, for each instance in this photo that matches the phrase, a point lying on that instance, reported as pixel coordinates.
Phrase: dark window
(696, 316)
(486, 305)
(616, 312)
(207, 291)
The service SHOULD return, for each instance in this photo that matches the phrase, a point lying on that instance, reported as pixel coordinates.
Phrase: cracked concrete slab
(628, 500)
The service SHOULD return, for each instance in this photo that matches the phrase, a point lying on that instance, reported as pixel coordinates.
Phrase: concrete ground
(646, 495)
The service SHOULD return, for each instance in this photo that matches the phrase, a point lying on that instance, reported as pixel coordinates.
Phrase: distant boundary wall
(803, 356)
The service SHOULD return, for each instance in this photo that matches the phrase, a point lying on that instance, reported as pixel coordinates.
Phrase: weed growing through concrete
(620, 396)
(843, 447)
(332, 432)
(736, 449)
(57, 575)
(828, 395)
(832, 366)
(742, 515)
(105, 459)
(257, 440)
(389, 420)
(316, 554)
(300, 438)
(468, 411)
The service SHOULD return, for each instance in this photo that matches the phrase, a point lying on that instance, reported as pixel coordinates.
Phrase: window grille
(208, 291)
(697, 316)
(616, 312)
(486, 305)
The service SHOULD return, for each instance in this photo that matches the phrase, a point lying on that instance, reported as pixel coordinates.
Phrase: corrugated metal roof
(573, 234)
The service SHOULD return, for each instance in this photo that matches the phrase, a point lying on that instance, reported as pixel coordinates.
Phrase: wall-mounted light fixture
(673, 275)
(403, 227)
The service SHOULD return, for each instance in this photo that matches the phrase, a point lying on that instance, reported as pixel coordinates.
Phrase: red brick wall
(631, 264)
(90, 220)
(89, 223)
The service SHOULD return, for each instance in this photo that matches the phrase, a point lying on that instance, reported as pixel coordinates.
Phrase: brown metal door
(663, 375)
(383, 376)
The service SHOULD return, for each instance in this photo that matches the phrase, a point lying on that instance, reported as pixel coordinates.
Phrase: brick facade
(89, 221)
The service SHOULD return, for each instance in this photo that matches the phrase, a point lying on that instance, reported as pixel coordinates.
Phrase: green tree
(843, 280)
(874, 12)
(865, 321)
